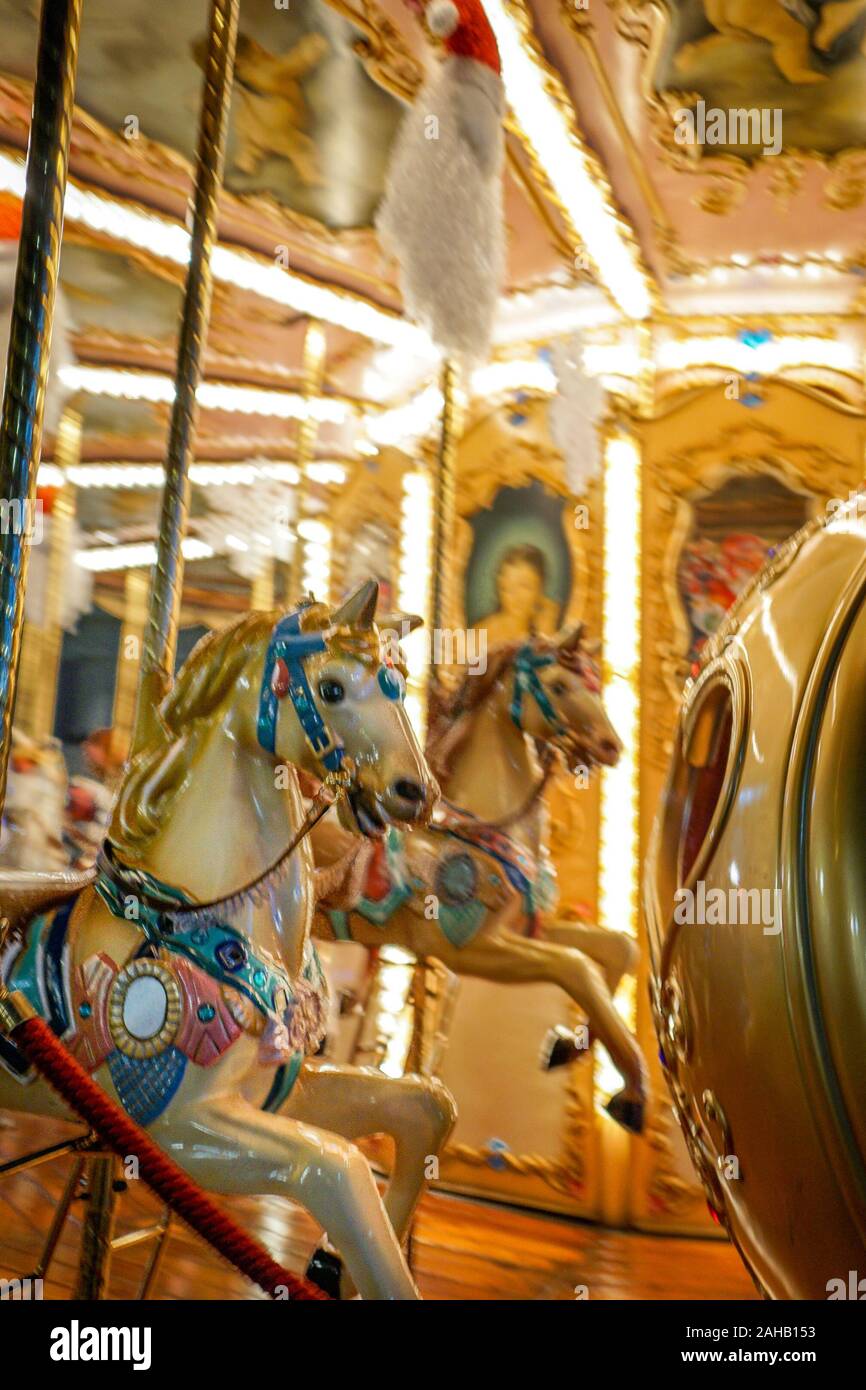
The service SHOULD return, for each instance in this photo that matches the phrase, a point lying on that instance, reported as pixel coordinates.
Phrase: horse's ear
(593, 646)
(359, 609)
(570, 640)
(393, 622)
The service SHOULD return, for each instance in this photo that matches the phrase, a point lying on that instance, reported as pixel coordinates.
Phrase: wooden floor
(462, 1249)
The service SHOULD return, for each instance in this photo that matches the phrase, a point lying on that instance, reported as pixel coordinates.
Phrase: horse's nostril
(408, 790)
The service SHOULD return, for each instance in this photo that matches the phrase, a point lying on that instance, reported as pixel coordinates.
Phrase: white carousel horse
(33, 815)
(477, 898)
(181, 973)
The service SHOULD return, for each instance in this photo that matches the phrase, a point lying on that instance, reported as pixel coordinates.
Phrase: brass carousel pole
(441, 620)
(30, 330)
(445, 505)
(160, 639)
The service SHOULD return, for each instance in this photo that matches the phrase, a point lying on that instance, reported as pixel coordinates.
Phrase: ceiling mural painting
(735, 87)
(297, 71)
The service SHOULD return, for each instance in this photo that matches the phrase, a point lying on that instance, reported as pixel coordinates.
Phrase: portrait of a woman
(523, 607)
(518, 578)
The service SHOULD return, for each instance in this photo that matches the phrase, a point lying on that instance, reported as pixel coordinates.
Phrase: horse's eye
(558, 688)
(331, 692)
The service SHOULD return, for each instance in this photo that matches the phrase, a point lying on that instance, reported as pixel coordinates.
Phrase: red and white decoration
(442, 212)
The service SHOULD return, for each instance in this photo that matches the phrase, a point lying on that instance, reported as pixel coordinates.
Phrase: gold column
(129, 659)
(313, 371)
(30, 329)
(161, 634)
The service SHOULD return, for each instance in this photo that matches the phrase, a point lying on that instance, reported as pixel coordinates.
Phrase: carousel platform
(462, 1249)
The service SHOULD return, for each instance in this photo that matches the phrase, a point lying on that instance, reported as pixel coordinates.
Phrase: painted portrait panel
(519, 576)
(733, 530)
(802, 57)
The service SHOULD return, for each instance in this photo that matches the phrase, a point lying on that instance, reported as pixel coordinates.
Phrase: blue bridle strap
(289, 644)
(527, 664)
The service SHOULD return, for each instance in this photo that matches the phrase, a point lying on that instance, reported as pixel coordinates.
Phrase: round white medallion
(145, 1006)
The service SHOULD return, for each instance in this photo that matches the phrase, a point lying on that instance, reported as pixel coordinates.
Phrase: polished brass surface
(161, 633)
(98, 1230)
(30, 331)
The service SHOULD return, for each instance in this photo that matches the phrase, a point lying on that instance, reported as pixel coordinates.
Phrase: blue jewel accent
(85, 1010)
(391, 683)
(231, 954)
(259, 978)
(755, 338)
(497, 1148)
(206, 1013)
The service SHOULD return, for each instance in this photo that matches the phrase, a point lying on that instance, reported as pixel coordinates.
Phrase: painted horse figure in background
(180, 971)
(473, 888)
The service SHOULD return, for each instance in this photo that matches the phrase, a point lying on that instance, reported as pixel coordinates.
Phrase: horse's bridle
(283, 675)
(527, 664)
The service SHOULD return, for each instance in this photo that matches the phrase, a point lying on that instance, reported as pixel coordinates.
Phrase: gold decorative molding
(556, 90)
(383, 51)
(676, 482)
(581, 24)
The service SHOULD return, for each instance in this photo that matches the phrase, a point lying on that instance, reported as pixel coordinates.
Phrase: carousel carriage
(764, 978)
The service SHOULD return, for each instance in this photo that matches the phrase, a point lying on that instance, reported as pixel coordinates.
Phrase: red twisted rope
(160, 1172)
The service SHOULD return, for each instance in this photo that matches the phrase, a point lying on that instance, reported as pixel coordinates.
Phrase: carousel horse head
(550, 688)
(309, 689)
(348, 693)
(556, 699)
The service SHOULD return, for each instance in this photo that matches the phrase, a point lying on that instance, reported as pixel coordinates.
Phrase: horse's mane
(156, 774)
(452, 713)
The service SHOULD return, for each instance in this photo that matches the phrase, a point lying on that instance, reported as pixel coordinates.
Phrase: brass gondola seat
(760, 1002)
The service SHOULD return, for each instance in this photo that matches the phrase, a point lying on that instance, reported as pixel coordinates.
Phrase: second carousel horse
(471, 889)
(181, 973)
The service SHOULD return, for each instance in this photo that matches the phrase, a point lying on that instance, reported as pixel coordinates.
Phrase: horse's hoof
(560, 1048)
(325, 1270)
(628, 1113)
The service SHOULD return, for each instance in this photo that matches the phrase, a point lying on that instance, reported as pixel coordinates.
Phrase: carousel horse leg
(511, 959)
(228, 1146)
(417, 1111)
(614, 951)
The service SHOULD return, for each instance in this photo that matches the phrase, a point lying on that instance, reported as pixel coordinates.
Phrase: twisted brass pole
(160, 639)
(445, 505)
(30, 331)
